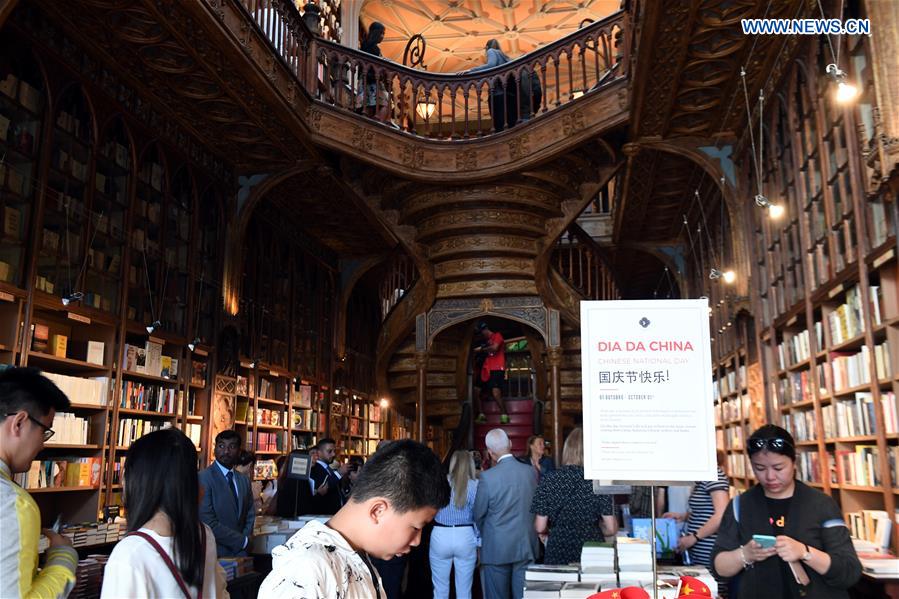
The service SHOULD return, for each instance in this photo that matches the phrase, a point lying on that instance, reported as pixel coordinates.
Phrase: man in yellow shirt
(28, 402)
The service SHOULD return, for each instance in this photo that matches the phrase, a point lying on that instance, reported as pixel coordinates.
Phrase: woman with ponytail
(167, 552)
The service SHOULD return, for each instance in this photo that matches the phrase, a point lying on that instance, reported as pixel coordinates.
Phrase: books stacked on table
(598, 564)
(89, 577)
(634, 562)
(542, 589)
(579, 590)
(700, 573)
(552, 573)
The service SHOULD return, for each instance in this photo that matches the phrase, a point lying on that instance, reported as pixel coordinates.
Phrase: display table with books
(271, 531)
(626, 562)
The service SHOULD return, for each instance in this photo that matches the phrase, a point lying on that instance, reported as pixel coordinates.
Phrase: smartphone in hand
(766, 541)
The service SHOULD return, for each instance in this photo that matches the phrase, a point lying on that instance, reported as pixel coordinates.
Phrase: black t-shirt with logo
(777, 517)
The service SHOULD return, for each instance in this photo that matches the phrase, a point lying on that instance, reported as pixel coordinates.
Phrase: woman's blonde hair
(461, 471)
(573, 451)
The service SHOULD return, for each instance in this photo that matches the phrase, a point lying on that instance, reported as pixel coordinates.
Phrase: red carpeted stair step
(519, 427)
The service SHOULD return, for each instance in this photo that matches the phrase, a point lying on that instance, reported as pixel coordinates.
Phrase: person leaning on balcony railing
(374, 98)
(503, 94)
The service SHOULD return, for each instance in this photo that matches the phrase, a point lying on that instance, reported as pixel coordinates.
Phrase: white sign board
(647, 391)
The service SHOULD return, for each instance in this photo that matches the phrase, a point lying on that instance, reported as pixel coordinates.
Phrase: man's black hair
(324, 442)
(227, 436)
(405, 473)
(27, 389)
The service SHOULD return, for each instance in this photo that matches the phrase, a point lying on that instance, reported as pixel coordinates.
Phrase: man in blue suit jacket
(502, 511)
(227, 506)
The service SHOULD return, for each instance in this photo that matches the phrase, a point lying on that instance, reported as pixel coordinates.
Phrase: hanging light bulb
(192, 346)
(153, 326)
(846, 91)
(385, 403)
(775, 211)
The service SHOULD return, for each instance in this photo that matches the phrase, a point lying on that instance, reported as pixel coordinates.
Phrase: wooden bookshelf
(827, 290)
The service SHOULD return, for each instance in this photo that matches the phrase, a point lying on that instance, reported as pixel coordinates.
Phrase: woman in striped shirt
(455, 539)
(707, 504)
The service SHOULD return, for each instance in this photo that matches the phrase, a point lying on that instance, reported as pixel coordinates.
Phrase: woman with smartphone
(783, 538)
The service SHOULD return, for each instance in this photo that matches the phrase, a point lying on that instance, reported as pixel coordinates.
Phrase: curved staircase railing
(441, 105)
(583, 264)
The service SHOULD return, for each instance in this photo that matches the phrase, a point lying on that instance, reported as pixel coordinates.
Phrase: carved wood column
(421, 370)
(885, 66)
(554, 356)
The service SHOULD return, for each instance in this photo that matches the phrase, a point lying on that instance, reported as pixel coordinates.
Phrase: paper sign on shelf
(647, 391)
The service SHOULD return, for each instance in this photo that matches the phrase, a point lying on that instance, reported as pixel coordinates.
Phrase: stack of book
(542, 590)
(634, 561)
(551, 573)
(579, 590)
(598, 563)
(89, 577)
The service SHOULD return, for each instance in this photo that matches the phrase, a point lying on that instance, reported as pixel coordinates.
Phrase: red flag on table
(625, 593)
(692, 587)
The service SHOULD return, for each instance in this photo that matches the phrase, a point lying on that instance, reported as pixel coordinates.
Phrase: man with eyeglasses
(28, 403)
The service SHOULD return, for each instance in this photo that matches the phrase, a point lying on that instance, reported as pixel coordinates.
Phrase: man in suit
(502, 511)
(227, 505)
(324, 481)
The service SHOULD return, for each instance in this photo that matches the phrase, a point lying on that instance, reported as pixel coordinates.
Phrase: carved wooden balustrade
(440, 105)
(401, 274)
(581, 262)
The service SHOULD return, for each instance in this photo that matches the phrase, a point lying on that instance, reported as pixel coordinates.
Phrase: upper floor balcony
(442, 106)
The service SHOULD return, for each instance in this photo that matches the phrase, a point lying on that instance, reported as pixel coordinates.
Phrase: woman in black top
(567, 511)
(812, 555)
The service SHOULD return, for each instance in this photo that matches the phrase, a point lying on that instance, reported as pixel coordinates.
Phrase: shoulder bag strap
(168, 561)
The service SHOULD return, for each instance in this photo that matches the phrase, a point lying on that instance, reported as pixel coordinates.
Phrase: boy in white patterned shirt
(399, 490)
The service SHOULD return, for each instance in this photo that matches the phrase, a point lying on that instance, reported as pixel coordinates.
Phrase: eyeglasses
(777, 445)
(48, 432)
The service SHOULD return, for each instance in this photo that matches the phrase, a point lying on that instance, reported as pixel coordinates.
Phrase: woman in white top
(168, 553)
(454, 540)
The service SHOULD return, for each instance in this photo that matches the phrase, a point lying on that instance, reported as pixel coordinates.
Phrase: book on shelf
(61, 472)
(70, 430)
(91, 391)
(811, 469)
(40, 337)
(194, 432)
(242, 387)
(265, 388)
(58, 345)
(135, 359)
(89, 351)
(874, 526)
(304, 397)
(132, 429)
(154, 358)
(845, 322)
(198, 372)
(859, 466)
(12, 221)
(150, 398)
(265, 470)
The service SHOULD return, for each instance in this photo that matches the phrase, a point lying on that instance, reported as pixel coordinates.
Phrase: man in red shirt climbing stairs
(493, 372)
